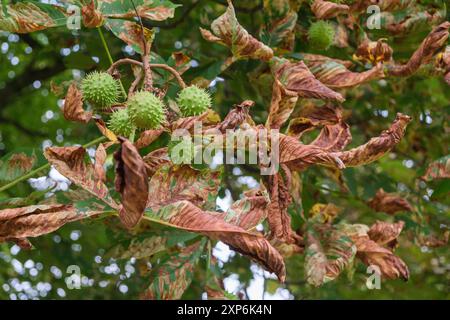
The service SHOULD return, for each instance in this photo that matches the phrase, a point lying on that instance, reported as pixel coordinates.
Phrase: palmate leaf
(174, 275)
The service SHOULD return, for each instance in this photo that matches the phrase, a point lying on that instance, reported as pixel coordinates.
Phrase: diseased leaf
(439, 169)
(280, 21)
(145, 245)
(131, 33)
(92, 18)
(174, 183)
(147, 137)
(328, 252)
(186, 216)
(376, 147)
(34, 221)
(174, 275)
(157, 10)
(100, 158)
(278, 218)
(30, 16)
(372, 251)
(14, 165)
(434, 42)
(389, 203)
(70, 162)
(335, 75)
(237, 116)
(227, 31)
(131, 182)
(373, 51)
(326, 9)
(246, 213)
(73, 106)
(293, 81)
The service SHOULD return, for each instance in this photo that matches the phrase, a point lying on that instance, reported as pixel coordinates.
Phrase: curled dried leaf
(100, 158)
(237, 116)
(386, 234)
(376, 147)
(73, 106)
(390, 265)
(427, 49)
(335, 75)
(227, 30)
(147, 138)
(390, 203)
(278, 217)
(326, 9)
(373, 51)
(131, 182)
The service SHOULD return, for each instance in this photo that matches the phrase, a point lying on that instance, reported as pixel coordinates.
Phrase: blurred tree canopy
(38, 67)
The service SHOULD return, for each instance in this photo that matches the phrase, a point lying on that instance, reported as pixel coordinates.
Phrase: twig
(151, 65)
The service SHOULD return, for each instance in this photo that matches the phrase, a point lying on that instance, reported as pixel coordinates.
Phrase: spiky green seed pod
(321, 35)
(120, 123)
(100, 89)
(146, 110)
(193, 101)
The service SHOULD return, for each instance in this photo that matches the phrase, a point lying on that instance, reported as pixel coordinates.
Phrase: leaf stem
(111, 61)
(44, 167)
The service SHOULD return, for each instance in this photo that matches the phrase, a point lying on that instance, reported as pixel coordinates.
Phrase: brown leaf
(70, 162)
(326, 9)
(174, 183)
(293, 81)
(92, 18)
(131, 182)
(100, 158)
(376, 147)
(427, 49)
(433, 241)
(155, 159)
(246, 213)
(336, 75)
(373, 51)
(187, 216)
(73, 106)
(389, 203)
(314, 59)
(147, 138)
(227, 30)
(439, 169)
(296, 77)
(237, 116)
(278, 217)
(298, 156)
(19, 223)
(386, 234)
(371, 253)
(312, 116)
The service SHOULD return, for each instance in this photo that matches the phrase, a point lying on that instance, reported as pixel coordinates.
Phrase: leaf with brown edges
(227, 30)
(326, 9)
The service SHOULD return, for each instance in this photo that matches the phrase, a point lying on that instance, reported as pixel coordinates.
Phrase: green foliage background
(30, 118)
